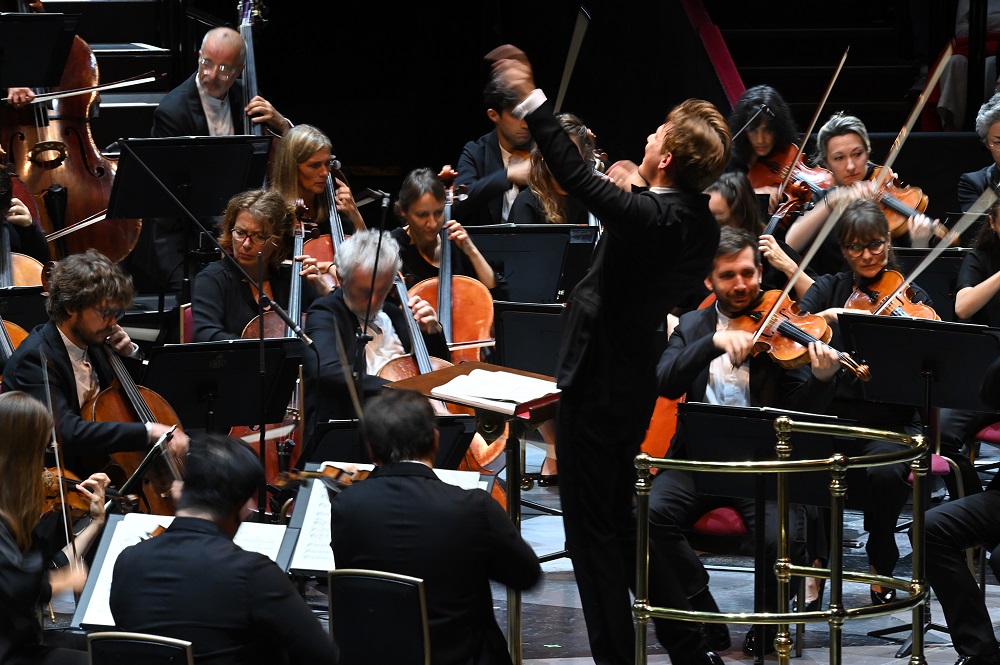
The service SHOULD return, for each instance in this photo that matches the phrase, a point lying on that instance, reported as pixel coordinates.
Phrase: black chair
(364, 602)
(123, 648)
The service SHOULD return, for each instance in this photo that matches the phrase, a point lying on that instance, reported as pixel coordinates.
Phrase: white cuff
(529, 104)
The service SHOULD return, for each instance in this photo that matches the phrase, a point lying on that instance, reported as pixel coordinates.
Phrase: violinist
(87, 295)
(977, 300)
(255, 222)
(844, 148)
(544, 201)
(203, 106)
(764, 139)
(974, 183)
(420, 207)
(193, 583)
(404, 520)
(31, 567)
(709, 361)
(353, 307)
(301, 165)
(494, 167)
(862, 233)
(731, 200)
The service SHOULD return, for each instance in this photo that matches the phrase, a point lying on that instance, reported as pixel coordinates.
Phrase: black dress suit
(235, 607)
(481, 170)
(180, 112)
(676, 572)
(326, 393)
(403, 519)
(656, 248)
(80, 438)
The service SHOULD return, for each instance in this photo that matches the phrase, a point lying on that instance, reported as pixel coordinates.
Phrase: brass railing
(915, 453)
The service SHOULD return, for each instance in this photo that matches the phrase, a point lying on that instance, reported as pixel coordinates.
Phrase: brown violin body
(53, 496)
(875, 298)
(114, 404)
(49, 150)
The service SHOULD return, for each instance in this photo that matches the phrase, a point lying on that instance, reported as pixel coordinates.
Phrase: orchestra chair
(186, 324)
(365, 603)
(989, 435)
(124, 648)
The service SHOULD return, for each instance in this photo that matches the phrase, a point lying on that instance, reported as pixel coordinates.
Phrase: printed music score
(498, 391)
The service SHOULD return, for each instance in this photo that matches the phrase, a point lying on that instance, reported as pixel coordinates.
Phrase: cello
(325, 247)
(421, 362)
(52, 151)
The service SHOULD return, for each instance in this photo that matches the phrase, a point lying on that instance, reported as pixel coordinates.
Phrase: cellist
(87, 295)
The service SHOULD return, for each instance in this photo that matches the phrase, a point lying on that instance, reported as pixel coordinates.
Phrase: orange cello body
(875, 298)
(117, 403)
(472, 312)
(48, 150)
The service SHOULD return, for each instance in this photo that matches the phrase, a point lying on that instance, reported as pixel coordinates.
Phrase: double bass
(52, 151)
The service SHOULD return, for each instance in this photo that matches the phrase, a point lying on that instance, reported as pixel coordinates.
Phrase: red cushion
(990, 433)
(939, 467)
(723, 521)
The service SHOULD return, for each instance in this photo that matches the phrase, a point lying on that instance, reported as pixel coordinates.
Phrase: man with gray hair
(367, 265)
(974, 183)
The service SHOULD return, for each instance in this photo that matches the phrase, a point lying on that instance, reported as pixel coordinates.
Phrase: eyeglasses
(992, 146)
(315, 166)
(256, 239)
(223, 72)
(108, 313)
(856, 249)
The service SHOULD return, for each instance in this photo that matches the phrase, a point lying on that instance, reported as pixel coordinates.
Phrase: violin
(788, 334)
(333, 478)
(804, 184)
(53, 496)
(877, 298)
(900, 202)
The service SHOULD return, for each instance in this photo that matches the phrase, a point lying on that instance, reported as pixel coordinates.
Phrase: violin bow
(139, 79)
(977, 210)
(579, 30)
(70, 535)
(812, 123)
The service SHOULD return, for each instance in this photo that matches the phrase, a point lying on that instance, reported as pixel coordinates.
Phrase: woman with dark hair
(257, 221)
(31, 569)
(768, 130)
(862, 233)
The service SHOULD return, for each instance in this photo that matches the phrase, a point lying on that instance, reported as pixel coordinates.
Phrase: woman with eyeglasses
(256, 223)
(863, 237)
(843, 147)
(974, 183)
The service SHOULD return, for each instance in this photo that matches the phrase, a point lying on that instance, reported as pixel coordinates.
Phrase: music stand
(23, 305)
(939, 279)
(527, 335)
(206, 382)
(926, 364)
(187, 176)
(34, 48)
(539, 263)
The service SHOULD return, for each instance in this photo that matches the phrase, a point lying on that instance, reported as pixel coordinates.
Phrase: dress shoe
(705, 658)
(977, 660)
(770, 632)
(545, 480)
(883, 597)
(815, 604)
(716, 636)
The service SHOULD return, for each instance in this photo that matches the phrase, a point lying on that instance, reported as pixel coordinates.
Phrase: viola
(333, 478)
(804, 183)
(53, 497)
(880, 297)
(788, 333)
(900, 202)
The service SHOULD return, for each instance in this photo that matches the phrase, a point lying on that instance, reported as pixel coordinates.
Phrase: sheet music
(495, 390)
(136, 527)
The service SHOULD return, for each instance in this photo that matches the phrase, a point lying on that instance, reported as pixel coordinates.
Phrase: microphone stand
(263, 300)
(359, 368)
(262, 370)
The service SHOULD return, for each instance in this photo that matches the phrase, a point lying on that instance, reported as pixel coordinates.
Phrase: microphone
(378, 194)
(767, 109)
(266, 302)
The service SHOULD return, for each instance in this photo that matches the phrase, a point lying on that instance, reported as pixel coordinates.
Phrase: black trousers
(949, 529)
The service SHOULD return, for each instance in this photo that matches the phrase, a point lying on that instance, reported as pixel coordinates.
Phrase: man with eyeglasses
(87, 295)
(203, 105)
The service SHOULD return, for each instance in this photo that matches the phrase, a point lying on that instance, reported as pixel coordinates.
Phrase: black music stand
(741, 434)
(23, 305)
(539, 263)
(527, 335)
(34, 48)
(939, 279)
(923, 363)
(188, 176)
(207, 382)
